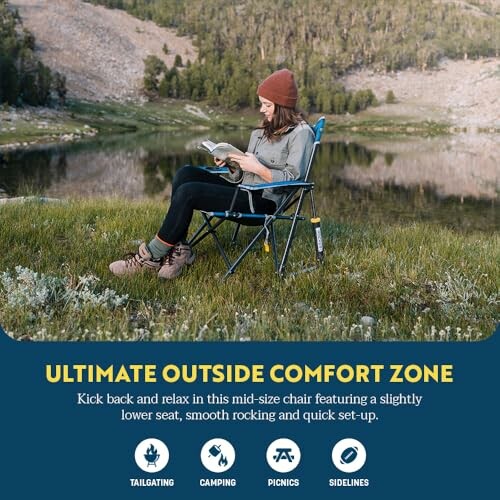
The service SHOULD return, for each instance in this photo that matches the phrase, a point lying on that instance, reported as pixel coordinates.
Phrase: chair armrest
(215, 170)
(270, 185)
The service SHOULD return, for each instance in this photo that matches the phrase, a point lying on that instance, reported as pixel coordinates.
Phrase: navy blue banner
(216, 420)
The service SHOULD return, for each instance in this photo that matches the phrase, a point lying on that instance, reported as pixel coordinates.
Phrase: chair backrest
(318, 129)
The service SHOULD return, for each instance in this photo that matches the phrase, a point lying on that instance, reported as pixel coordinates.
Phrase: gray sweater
(287, 158)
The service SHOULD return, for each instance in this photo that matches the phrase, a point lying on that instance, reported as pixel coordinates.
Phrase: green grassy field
(418, 282)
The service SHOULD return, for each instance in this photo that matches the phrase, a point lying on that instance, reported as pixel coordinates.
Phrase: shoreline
(455, 98)
(29, 126)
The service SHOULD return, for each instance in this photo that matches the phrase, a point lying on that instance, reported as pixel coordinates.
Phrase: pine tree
(9, 81)
(59, 87)
(339, 103)
(164, 88)
(390, 98)
(178, 61)
(23, 78)
(154, 67)
(319, 40)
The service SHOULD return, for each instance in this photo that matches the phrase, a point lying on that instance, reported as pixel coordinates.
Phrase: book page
(223, 149)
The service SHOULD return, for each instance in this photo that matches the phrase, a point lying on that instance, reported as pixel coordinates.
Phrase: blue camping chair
(289, 210)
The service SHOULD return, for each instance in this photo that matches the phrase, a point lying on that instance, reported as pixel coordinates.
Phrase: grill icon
(151, 455)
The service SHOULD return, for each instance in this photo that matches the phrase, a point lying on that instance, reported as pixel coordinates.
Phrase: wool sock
(158, 249)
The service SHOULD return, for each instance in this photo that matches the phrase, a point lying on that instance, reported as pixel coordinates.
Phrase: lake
(452, 181)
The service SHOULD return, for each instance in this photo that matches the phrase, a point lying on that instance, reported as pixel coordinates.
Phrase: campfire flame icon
(151, 455)
(214, 451)
(217, 455)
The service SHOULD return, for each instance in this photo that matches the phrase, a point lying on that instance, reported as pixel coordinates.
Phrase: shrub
(390, 98)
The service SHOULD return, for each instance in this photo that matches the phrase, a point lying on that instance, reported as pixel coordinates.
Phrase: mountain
(101, 51)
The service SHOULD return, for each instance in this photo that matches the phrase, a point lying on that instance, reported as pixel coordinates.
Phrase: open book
(220, 150)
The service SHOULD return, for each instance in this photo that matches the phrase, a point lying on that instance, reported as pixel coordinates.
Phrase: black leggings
(196, 189)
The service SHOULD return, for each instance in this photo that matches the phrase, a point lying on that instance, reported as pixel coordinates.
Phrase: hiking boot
(180, 255)
(134, 262)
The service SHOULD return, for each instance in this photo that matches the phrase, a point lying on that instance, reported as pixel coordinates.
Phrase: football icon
(349, 455)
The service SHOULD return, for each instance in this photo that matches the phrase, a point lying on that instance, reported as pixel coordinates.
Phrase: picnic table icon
(283, 454)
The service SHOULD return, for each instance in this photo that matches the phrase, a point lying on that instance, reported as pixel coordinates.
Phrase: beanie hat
(280, 88)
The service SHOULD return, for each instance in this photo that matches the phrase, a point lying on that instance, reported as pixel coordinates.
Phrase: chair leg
(210, 229)
(318, 238)
(291, 235)
(235, 234)
(196, 238)
(237, 262)
(218, 244)
(274, 247)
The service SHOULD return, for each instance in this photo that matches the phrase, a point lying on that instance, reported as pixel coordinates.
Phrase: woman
(278, 151)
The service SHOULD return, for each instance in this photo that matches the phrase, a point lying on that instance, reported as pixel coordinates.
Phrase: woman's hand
(249, 163)
(219, 162)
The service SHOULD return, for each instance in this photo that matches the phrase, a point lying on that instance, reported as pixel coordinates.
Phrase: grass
(391, 126)
(418, 282)
(28, 130)
(163, 114)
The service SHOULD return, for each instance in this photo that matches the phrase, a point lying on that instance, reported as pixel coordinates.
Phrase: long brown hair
(281, 121)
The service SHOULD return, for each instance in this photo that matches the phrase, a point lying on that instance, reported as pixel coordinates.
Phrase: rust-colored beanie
(280, 88)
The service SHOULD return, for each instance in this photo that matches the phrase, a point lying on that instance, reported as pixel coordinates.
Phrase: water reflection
(28, 171)
(342, 154)
(463, 166)
(452, 181)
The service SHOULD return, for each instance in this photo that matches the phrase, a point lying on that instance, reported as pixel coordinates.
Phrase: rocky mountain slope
(101, 51)
(462, 93)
